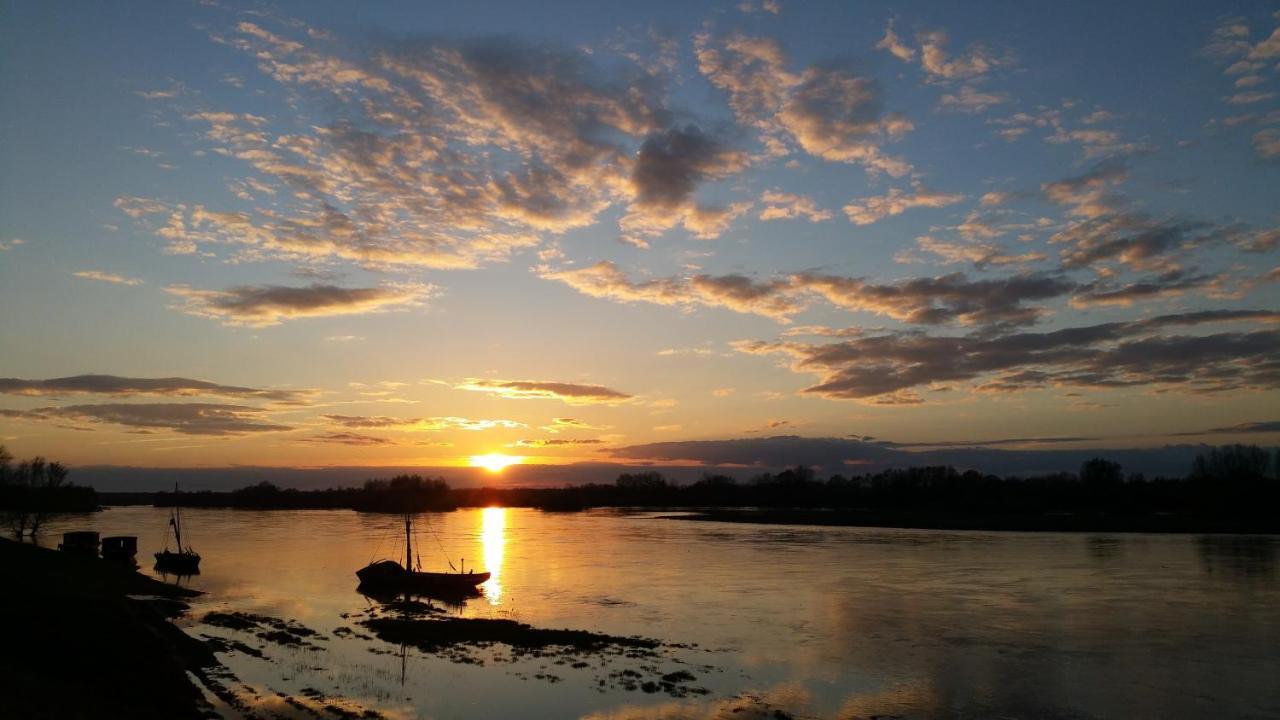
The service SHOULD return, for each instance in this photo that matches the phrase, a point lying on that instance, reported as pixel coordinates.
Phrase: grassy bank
(77, 646)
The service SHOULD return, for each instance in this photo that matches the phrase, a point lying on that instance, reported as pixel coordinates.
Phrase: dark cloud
(261, 305)
(941, 300)
(853, 456)
(116, 385)
(185, 418)
(1121, 354)
(1170, 284)
(1263, 426)
(673, 162)
(777, 451)
(996, 442)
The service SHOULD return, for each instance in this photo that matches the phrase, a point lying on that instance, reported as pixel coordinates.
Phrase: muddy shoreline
(87, 639)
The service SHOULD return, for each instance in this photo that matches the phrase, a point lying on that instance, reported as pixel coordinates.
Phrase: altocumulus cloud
(559, 424)
(107, 277)
(263, 305)
(555, 442)
(347, 438)
(445, 153)
(572, 393)
(185, 418)
(929, 301)
(126, 386)
(830, 112)
(735, 292)
(872, 209)
(420, 424)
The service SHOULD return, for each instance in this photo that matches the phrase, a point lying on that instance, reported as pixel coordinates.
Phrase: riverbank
(77, 645)
(941, 520)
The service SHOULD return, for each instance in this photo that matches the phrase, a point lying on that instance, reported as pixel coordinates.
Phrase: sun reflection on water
(493, 537)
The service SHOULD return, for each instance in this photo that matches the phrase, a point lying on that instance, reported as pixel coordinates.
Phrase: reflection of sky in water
(493, 538)
(850, 622)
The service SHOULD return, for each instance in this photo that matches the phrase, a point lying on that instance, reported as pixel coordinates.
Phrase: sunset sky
(405, 233)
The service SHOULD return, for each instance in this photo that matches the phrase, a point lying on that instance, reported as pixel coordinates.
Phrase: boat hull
(179, 563)
(391, 576)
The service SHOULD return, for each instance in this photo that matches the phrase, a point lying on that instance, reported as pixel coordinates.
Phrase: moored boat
(84, 542)
(184, 561)
(390, 575)
(120, 548)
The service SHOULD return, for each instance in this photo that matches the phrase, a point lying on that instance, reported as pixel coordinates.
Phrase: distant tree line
(402, 493)
(1233, 480)
(32, 490)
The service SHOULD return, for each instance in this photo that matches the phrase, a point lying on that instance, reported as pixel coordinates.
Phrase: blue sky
(667, 222)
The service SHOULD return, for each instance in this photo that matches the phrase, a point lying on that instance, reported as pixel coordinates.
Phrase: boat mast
(408, 544)
(177, 519)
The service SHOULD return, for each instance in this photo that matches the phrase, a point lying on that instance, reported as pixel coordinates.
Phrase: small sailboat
(183, 562)
(389, 575)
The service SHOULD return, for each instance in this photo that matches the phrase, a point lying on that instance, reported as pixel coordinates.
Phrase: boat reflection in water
(418, 600)
(173, 577)
(493, 538)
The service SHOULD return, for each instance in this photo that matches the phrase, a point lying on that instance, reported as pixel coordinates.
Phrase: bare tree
(45, 485)
(29, 492)
(17, 497)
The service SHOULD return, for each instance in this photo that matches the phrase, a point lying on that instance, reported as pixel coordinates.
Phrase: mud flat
(478, 641)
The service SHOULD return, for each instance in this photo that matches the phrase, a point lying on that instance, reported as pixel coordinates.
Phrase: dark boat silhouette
(120, 549)
(84, 542)
(184, 561)
(390, 575)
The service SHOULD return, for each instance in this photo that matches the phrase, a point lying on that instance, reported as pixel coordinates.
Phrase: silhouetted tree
(262, 495)
(650, 480)
(1100, 472)
(45, 496)
(33, 489)
(405, 493)
(714, 480)
(15, 514)
(1231, 464)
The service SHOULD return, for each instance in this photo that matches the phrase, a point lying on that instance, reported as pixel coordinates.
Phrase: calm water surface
(819, 622)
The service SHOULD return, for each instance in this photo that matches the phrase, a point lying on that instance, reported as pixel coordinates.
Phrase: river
(812, 622)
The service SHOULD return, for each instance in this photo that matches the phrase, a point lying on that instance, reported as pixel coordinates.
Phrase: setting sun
(495, 462)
